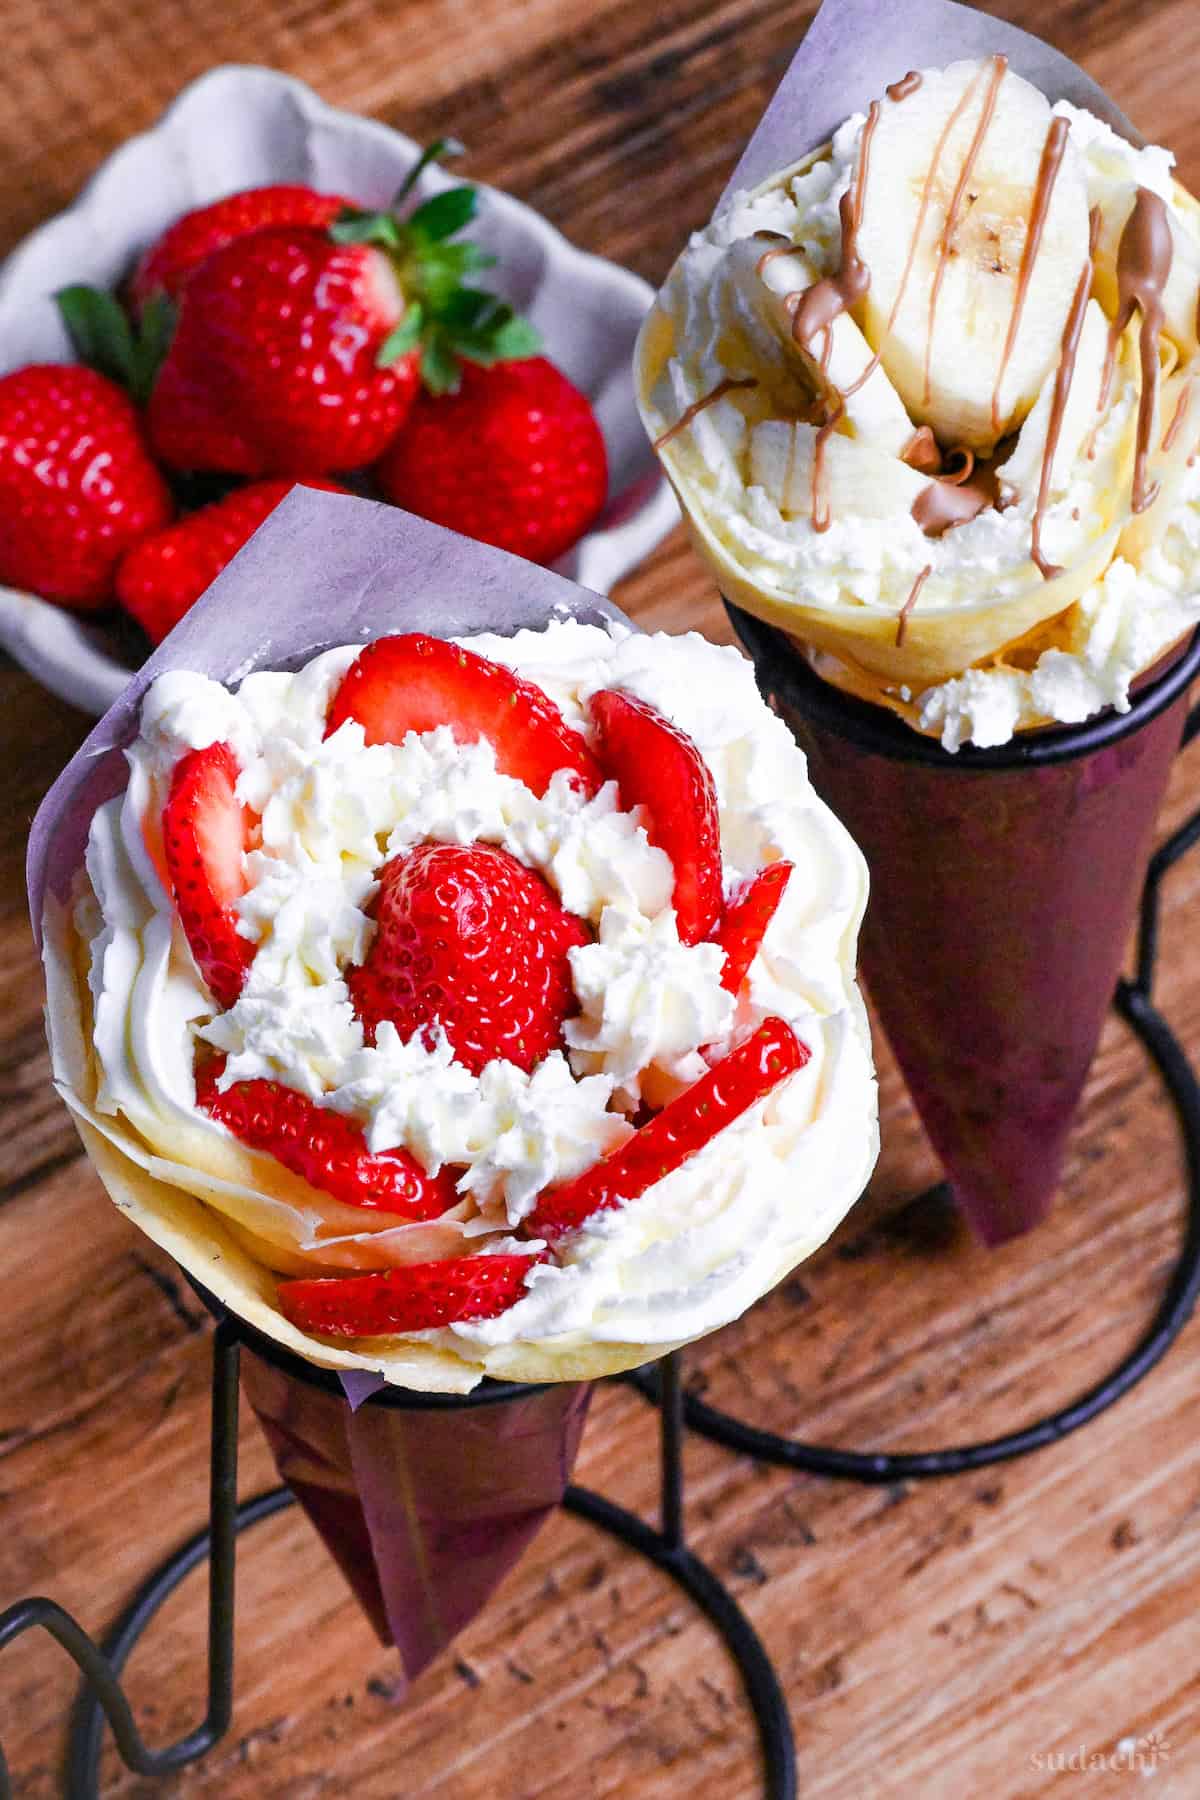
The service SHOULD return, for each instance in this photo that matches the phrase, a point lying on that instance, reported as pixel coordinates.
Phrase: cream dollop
(700, 1244)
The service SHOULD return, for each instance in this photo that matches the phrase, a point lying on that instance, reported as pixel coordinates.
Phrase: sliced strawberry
(415, 1297)
(677, 1132)
(659, 767)
(329, 1151)
(744, 926)
(469, 939)
(206, 832)
(414, 683)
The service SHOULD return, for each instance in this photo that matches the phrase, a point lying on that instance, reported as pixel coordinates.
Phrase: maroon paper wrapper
(424, 1511)
(1002, 892)
(425, 1507)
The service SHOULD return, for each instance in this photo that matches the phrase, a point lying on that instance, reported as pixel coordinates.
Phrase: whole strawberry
(173, 258)
(165, 574)
(299, 350)
(274, 365)
(514, 458)
(77, 486)
(470, 940)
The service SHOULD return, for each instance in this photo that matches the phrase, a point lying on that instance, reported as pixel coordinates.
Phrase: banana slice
(858, 480)
(951, 184)
(767, 277)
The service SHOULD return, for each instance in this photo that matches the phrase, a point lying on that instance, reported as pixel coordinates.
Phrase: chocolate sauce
(819, 306)
(782, 247)
(1052, 155)
(1143, 270)
(698, 406)
(913, 592)
(959, 465)
(944, 504)
(999, 66)
(921, 452)
(826, 300)
(907, 84)
(1063, 376)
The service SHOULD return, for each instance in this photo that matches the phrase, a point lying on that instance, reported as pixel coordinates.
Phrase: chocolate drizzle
(999, 65)
(1052, 155)
(956, 499)
(922, 452)
(913, 593)
(816, 309)
(907, 84)
(1062, 387)
(1143, 270)
(782, 247)
(698, 406)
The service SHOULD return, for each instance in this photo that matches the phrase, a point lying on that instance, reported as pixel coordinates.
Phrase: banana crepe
(927, 398)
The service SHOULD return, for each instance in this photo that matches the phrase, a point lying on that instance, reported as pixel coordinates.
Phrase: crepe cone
(1003, 886)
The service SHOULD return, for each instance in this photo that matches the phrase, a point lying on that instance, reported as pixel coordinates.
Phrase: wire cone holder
(102, 1696)
(665, 1546)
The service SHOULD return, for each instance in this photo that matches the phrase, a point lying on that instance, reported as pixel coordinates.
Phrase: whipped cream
(724, 386)
(701, 1243)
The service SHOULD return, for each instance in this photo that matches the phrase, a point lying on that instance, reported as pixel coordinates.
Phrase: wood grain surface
(963, 1639)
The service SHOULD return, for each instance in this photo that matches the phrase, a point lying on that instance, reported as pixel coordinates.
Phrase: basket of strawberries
(333, 309)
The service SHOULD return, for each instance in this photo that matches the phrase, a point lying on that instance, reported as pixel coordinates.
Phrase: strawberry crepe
(456, 1009)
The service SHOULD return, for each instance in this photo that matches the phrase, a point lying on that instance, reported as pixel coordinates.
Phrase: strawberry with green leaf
(300, 351)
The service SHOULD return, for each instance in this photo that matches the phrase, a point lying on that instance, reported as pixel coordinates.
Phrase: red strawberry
(416, 1297)
(659, 767)
(164, 575)
(745, 923)
(514, 458)
(414, 683)
(205, 836)
(469, 938)
(77, 486)
(677, 1132)
(172, 258)
(273, 366)
(300, 350)
(329, 1151)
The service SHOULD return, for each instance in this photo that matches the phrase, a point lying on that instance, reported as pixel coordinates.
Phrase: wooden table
(946, 1640)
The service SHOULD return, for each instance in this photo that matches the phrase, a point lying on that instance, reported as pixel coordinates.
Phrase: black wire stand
(101, 1696)
(866, 725)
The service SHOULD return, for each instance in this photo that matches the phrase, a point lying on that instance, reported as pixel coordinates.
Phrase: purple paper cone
(425, 1506)
(1003, 887)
